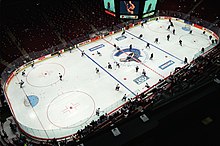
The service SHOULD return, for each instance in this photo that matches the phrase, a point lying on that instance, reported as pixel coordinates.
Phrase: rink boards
(42, 87)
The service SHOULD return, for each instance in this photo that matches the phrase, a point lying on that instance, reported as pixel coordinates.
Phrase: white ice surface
(70, 104)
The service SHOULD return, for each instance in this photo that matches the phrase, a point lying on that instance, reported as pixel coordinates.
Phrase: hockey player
(99, 53)
(144, 72)
(213, 41)
(23, 73)
(147, 85)
(117, 65)
(70, 49)
(137, 68)
(123, 32)
(156, 40)
(203, 50)
(148, 45)
(124, 97)
(32, 64)
(140, 36)
(142, 24)
(170, 20)
(115, 45)
(180, 42)
(21, 83)
(60, 76)
(82, 53)
(97, 111)
(190, 32)
(151, 56)
(174, 31)
(168, 37)
(185, 60)
(168, 28)
(96, 70)
(130, 56)
(171, 24)
(117, 87)
(59, 54)
(130, 47)
(109, 65)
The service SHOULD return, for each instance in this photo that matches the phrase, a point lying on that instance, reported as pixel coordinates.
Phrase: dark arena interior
(184, 112)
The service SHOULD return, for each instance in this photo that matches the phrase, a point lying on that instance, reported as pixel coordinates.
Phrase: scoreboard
(109, 6)
(134, 9)
(129, 9)
(149, 8)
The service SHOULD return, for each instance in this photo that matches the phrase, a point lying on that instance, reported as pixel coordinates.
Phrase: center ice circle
(71, 109)
(45, 75)
(130, 57)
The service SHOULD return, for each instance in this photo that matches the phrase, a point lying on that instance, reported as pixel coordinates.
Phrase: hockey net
(26, 102)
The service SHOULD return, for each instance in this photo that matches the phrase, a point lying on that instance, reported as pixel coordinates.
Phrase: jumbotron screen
(109, 6)
(129, 9)
(149, 8)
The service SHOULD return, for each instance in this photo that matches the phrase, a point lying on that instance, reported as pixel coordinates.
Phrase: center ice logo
(131, 55)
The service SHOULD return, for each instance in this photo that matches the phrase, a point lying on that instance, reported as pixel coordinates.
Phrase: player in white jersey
(117, 87)
(21, 83)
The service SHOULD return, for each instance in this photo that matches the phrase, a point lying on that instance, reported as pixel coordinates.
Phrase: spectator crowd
(39, 25)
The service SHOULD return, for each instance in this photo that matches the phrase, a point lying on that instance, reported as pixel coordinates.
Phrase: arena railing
(23, 62)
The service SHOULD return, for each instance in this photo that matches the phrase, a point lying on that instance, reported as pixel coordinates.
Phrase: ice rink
(48, 107)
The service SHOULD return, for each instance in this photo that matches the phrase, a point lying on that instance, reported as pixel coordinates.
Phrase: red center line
(137, 60)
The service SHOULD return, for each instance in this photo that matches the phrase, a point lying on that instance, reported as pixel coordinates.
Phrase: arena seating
(30, 29)
(69, 20)
(205, 10)
(95, 15)
(38, 27)
(66, 20)
(8, 51)
(34, 35)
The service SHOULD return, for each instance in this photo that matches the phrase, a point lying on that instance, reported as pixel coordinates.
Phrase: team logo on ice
(128, 55)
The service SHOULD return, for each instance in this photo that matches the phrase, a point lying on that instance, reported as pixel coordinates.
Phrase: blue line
(156, 47)
(107, 72)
